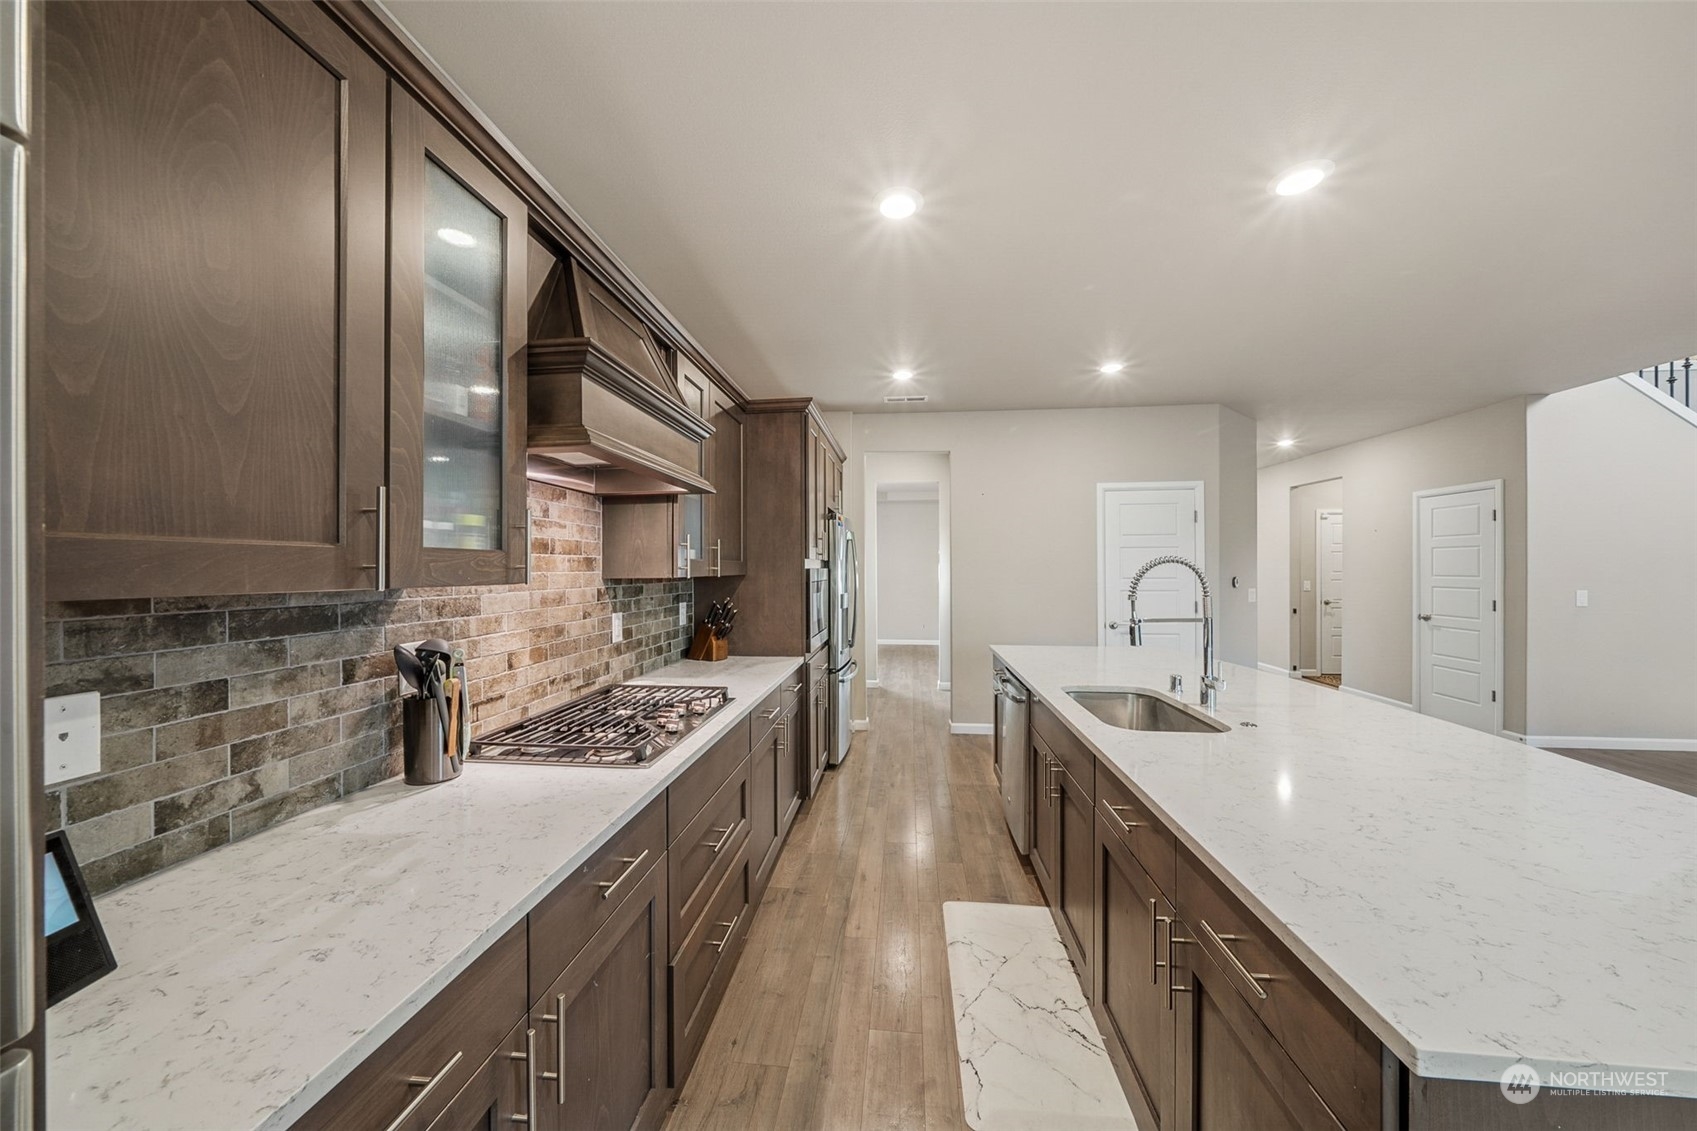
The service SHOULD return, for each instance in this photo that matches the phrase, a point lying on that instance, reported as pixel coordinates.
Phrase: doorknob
(1425, 616)
(1113, 624)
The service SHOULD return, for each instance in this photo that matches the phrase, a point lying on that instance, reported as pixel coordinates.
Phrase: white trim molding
(907, 643)
(872, 683)
(971, 728)
(941, 686)
(1386, 699)
(1593, 742)
(860, 724)
(1274, 669)
(1661, 398)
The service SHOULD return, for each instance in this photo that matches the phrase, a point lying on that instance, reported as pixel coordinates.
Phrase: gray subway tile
(290, 620)
(284, 683)
(163, 705)
(109, 675)
(220, 729)
(144, 783)
(120, 636)
(282, 745)
(220, 660)
(202, 802)
(247, 821)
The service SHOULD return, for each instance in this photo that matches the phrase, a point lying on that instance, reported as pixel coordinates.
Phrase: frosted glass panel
(464, 379)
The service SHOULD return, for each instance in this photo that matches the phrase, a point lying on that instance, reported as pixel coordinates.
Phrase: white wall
(907, 571)
(1612, 510)
(1023, 517)
(1380, 477)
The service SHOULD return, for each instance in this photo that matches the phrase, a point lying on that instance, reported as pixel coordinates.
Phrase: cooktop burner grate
(627, 725)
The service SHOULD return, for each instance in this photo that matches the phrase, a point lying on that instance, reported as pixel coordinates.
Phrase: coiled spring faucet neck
(1211, 679)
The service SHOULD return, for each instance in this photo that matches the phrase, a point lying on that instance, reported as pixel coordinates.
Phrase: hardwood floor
(1670, 769)
(839, 1015)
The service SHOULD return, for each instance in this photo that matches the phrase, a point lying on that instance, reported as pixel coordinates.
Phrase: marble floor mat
(1031, 1056)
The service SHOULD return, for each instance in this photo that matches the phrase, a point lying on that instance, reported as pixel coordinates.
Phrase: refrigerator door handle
(854, 587)
(849, 672)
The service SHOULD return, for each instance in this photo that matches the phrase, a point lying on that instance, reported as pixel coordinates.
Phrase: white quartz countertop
(252, 979)
(1474, 901)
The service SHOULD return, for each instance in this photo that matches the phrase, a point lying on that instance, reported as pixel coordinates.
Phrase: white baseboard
(1595, 742)
(1377, 698)
(872, 683)
(941, 686)
(972, 728)
(1274, 669)
(907, 643)
(1511, 735)
(860, 724)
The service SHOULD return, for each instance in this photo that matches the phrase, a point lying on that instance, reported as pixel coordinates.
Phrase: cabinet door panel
(210, 380)
(1043, 818)
(457, 382)
(495, 1098)
(725, 508)
(763, 794)
(604, 1024)
(1231, 1073)
(1129, 978)
(1076, 828)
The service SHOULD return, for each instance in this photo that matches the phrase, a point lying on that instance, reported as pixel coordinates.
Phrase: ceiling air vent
(914, 398)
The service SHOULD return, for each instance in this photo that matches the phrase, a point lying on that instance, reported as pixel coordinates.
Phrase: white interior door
(1140, 523)
(1457, 638)
(1329, 565)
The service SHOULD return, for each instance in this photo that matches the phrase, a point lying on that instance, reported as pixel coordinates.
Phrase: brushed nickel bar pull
(1116, 810)
(1154, 942)
(718, 558)
(730, 932)
(381, 565)
(529, 1057)
(560, 1051)
(772, 714)
(1253, 980)
(796, 690)
(558, 1019)
(724, 839)
(608, 886)
(428, 1083)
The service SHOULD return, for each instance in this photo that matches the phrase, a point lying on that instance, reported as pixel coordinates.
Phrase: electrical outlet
(1251, 596)
(1582, 598)
(71, 724)
(618, 627)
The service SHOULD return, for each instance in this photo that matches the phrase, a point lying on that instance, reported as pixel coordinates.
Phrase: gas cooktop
(630, 724)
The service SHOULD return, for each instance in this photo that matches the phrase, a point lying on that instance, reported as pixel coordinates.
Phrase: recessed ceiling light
(438, 459)
(1285, 442)
(1109, 368)
(485, 390)
(900, 203)
(903, 375)
(1300, 178)
(456, 237)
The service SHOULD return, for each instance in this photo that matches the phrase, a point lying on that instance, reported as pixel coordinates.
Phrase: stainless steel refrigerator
(20, 834)
(844, 564)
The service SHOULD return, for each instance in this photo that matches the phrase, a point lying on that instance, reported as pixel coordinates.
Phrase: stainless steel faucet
(1212, 681)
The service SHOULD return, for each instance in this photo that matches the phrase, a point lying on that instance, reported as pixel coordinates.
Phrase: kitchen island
(1476, 904)
(255, 978)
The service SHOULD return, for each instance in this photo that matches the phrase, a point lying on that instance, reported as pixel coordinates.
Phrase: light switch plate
(1307, 586)
(71, 724)
(1582, 598)
(618, 627)
(683, 614)
(1252, 596)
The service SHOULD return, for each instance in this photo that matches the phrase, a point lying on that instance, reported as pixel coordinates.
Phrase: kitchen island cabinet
(1284, 935)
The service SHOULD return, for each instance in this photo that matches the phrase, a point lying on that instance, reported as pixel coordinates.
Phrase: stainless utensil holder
(423, 745)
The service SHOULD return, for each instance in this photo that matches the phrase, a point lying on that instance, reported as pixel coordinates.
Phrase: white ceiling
(1514, 208)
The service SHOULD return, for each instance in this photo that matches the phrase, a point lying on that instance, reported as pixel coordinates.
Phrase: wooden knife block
(706, 646)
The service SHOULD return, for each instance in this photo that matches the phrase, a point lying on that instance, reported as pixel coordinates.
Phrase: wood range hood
(606, 415)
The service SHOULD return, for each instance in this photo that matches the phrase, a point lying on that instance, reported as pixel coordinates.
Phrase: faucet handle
(1176, 684)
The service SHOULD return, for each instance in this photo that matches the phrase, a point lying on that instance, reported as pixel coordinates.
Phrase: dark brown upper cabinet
(209, 383)
(457, 396)
(713, 524)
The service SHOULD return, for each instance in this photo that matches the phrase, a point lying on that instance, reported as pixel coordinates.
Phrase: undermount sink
(1135, 708)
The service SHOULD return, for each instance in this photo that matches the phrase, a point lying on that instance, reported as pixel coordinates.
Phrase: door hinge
(1493, 606)
(1195, 516)
(1493, 514)
(1493, 696)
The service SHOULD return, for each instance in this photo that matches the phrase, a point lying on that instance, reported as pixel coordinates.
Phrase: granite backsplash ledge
(221, 716)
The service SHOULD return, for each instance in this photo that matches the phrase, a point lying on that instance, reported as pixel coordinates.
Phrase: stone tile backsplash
(221, 716)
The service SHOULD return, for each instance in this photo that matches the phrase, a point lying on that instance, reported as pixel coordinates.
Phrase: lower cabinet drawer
(700, 857)
(1337, 1053)
(411, 1079)
(569, 916)
(765, 716)
(499, 1094)
(1135, 824)
(696, 786)
(1069, 750)
(705, 962)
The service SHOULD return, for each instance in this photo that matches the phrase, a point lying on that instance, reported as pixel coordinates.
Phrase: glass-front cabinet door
(457, 511)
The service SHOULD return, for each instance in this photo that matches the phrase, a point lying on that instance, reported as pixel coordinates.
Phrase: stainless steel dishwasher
(1013, 755)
